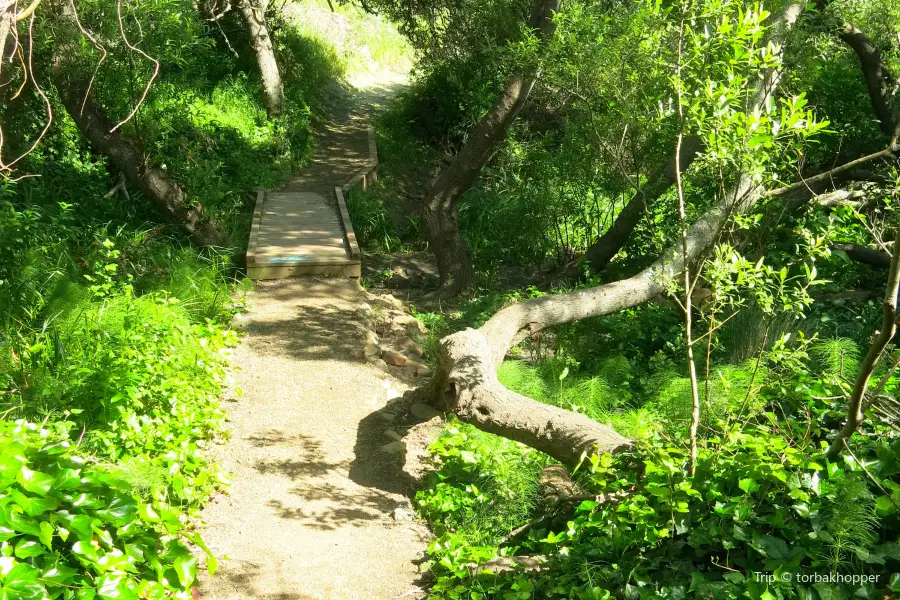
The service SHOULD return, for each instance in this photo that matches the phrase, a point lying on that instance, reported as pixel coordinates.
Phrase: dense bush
(73, 527)
(114, 335)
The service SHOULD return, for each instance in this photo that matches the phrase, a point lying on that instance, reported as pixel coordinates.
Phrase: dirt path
(313, 512)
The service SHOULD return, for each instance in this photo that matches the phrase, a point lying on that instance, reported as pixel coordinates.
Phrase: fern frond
(837, 357)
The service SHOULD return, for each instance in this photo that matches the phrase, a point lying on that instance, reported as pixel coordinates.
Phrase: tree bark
(165, 194)
(253, 12)
(7, 20)
(861, 254)
(466, 383)
(440, 212)
(856, 405)
(879, 80)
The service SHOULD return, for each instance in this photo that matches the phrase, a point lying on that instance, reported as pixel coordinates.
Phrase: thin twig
(134, 48)
(87, 34)
(47, 106)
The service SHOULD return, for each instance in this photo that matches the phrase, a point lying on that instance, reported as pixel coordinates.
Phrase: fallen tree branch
(839, 198)
(466, 381)
(891, 152)
(864, 255)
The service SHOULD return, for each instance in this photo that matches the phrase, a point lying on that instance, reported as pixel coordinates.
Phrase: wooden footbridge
(304, 227)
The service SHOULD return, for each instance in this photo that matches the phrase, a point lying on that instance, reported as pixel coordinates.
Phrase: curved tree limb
(440, 212)
(856, 405)
(157, 186)
(880, 82)
(466, 379)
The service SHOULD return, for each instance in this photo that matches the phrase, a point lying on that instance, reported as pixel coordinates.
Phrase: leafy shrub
(485, 486)
(371, 220)
(755, 505)
(135, 374)
(71, 527)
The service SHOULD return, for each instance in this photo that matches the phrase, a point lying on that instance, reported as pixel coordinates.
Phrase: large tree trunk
(601, 252)
(254, 12)
(857, 403)
(165, 194)
(440, 212)
(466, 382)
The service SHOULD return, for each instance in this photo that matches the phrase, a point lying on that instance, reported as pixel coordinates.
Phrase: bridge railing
(363, 178)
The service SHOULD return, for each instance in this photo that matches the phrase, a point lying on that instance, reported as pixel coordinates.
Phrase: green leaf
(86, 551)
(35, 481)
(11, 461)
(46, 536)
(81, 525)
(67, 479)
(31, 505)
(748, 485)
(120, 511)
(59, 574)
(27, 548)
(147, 513)
(6, 533)
(23, 524)
(884, 506)
(828, 592)
(21, 583)
(212, 564)
(186, 569)
(117, 587)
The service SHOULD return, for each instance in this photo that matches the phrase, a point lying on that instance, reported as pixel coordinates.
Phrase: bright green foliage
(723, 393)
(756, 504)
(762, 499)
(367, 43)
(485, 486)
(371, 221)
(73, 528)
(136, 375)
(113, 327)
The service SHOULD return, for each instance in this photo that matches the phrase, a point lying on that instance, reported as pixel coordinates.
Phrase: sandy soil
(316, 510)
